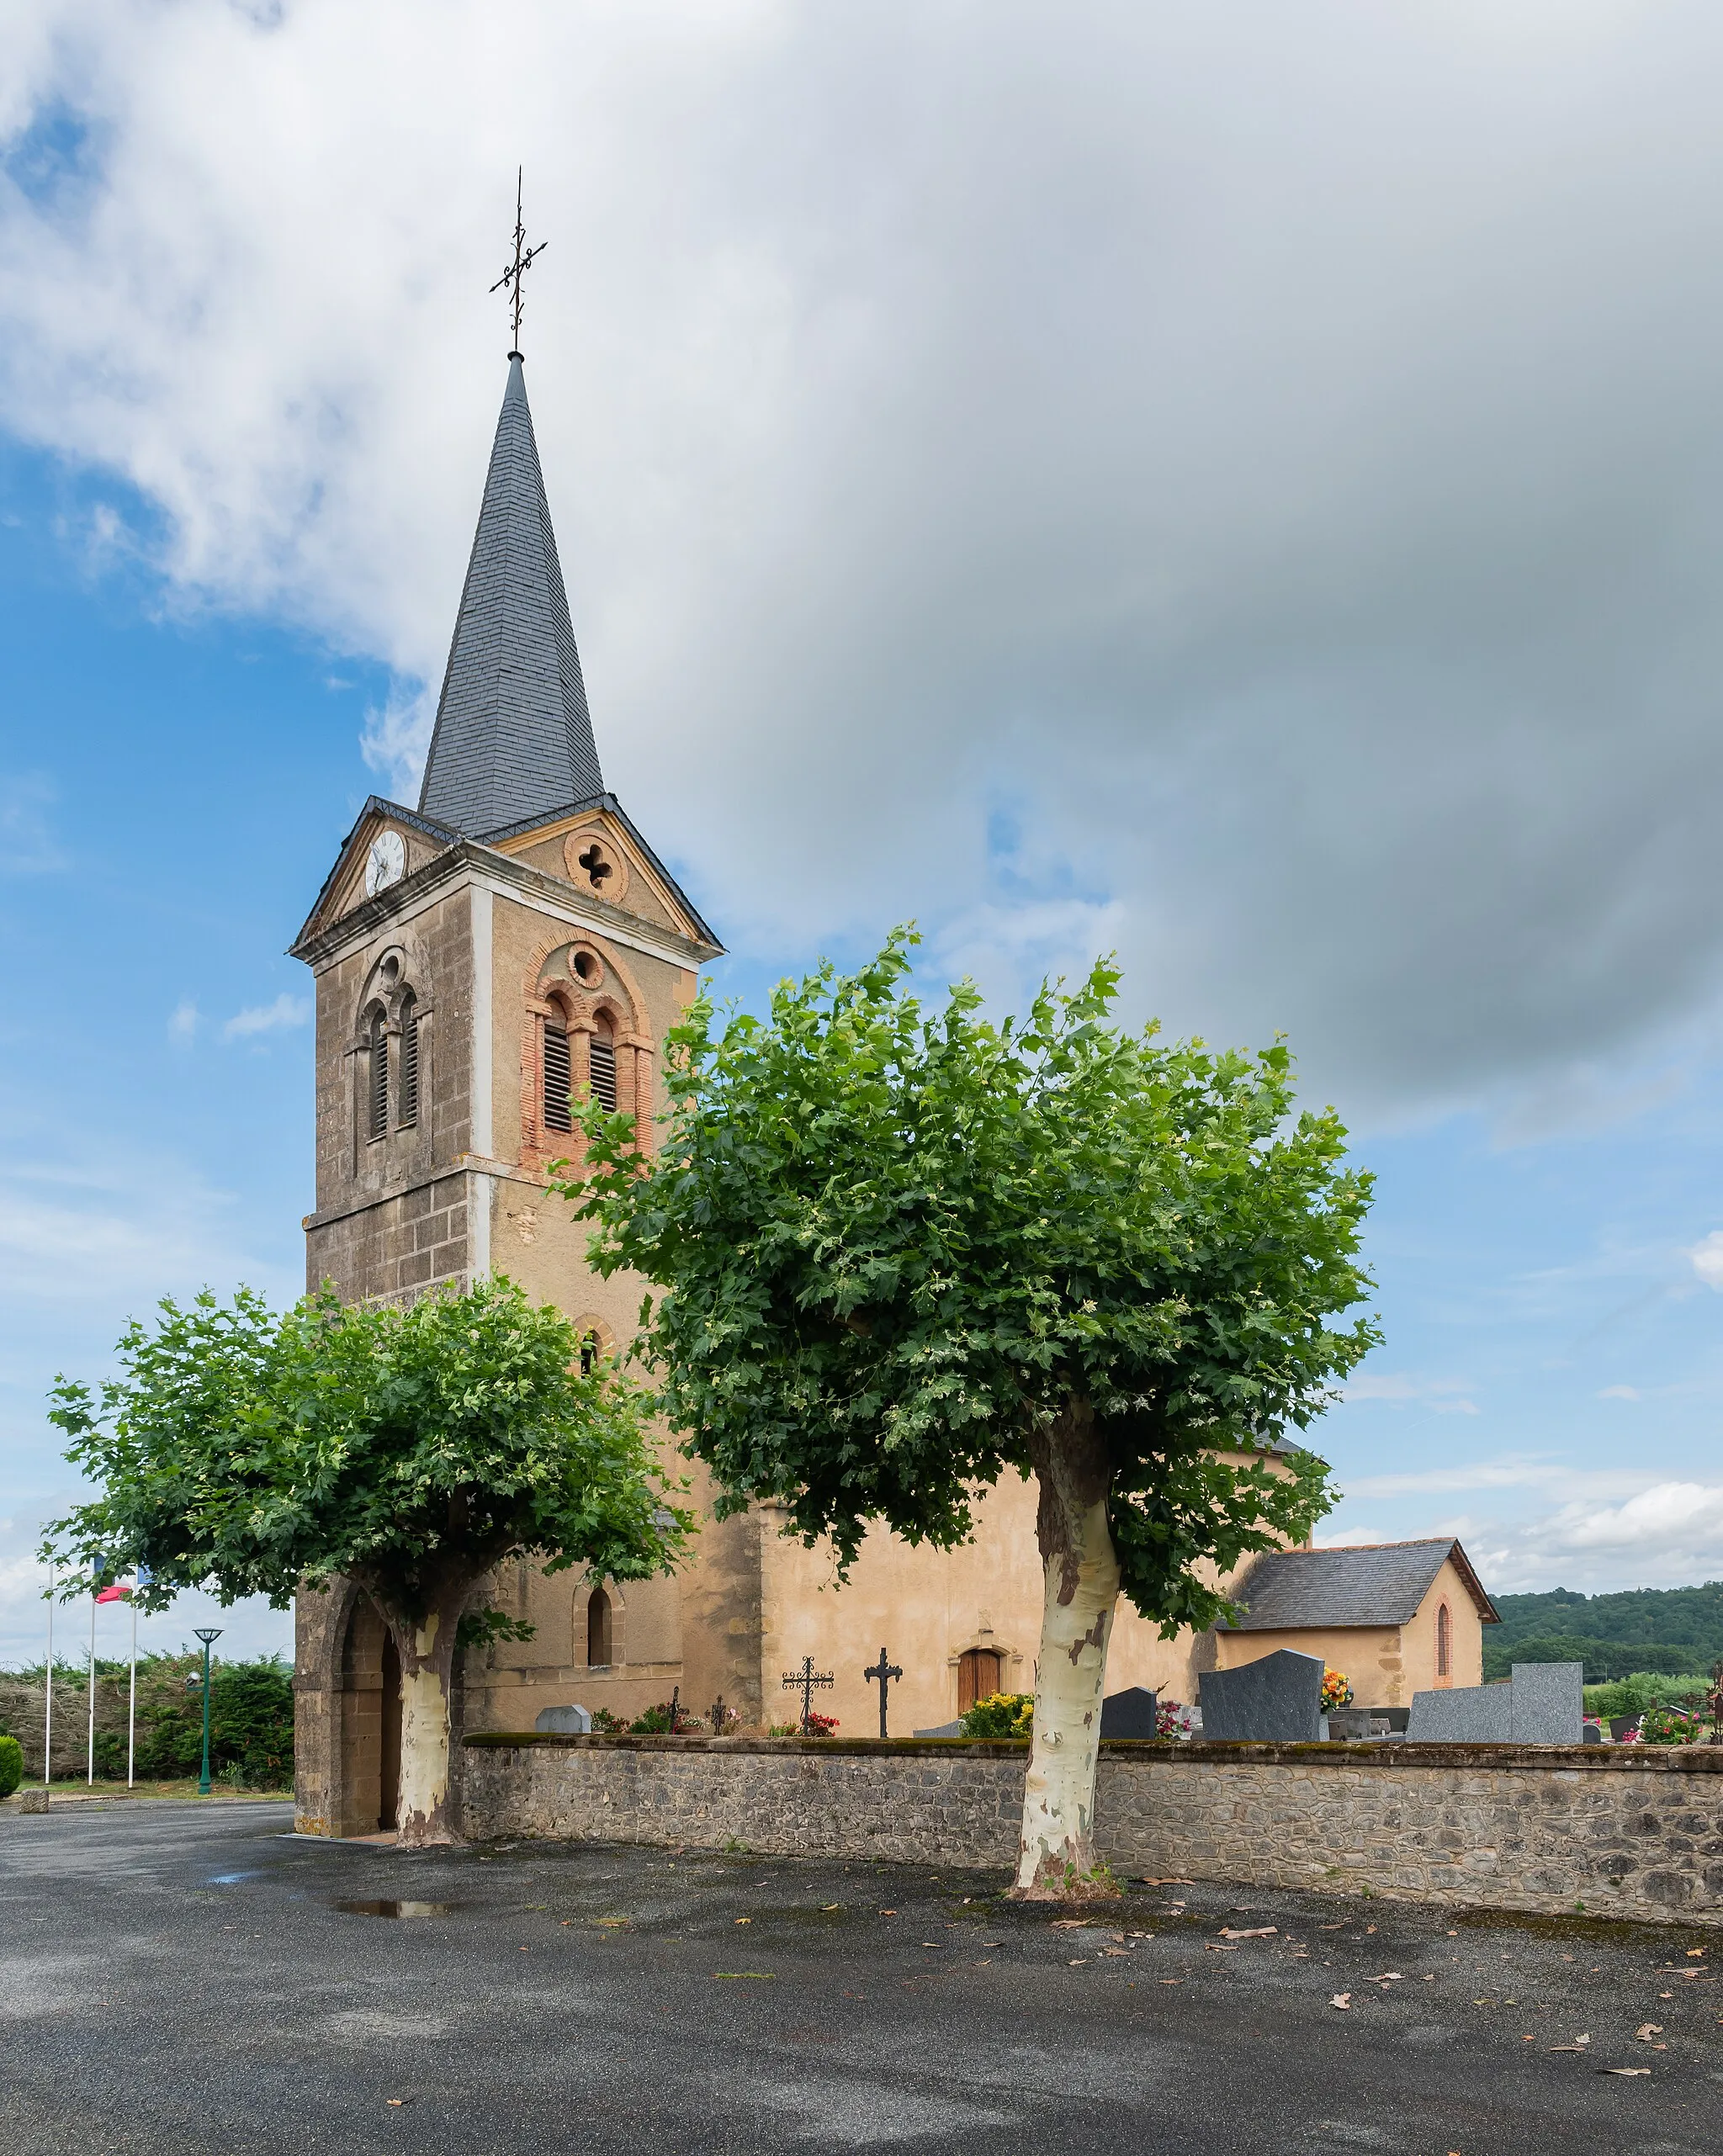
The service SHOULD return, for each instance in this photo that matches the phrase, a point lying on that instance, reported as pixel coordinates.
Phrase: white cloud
(286, 1012)
(1621, 1392)
(121, 1236)
(929, 403)
(1707, 1259)
(182, 1025)
(1442, 1395)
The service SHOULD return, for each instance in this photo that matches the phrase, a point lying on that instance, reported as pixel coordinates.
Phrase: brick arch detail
(578, 1008)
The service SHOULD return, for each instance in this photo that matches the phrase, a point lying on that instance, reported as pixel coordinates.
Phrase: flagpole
(131, 1712)
(48, 1693)
(92, 1688)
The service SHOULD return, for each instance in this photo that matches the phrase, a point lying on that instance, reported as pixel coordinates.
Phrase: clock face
(387, 863)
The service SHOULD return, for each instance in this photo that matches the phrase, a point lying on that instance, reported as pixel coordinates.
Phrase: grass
(76, 1786)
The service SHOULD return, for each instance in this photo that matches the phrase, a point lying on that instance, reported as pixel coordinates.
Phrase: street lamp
(209, 1634)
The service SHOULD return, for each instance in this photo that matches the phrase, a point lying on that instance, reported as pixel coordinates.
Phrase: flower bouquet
(1337, 1691)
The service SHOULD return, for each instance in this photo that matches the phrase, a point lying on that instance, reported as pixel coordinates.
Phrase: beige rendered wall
(1418, 1638)
(927, 1608)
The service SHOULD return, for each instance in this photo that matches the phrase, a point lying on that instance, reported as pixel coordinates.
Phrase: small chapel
(512, 940)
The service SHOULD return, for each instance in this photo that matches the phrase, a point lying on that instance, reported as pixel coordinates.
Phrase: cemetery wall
(1626, 1832)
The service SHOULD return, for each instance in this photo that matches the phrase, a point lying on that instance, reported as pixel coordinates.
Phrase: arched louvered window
(598, 1629)
(409, 1113)
(380, 1075)
(558, 1076)
(1445, 1642)
(603, 1051)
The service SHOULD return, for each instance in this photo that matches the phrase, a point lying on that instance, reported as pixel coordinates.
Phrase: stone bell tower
(511, 939)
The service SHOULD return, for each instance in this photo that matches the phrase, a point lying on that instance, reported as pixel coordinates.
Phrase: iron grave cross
(882, 1673)
(804, 1681)
(525, 256)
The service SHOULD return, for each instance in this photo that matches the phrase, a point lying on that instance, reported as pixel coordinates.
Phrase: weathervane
(510, 281)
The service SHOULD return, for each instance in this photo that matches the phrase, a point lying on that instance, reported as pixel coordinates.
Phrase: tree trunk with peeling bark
(1056, 1858)
(426, 1644)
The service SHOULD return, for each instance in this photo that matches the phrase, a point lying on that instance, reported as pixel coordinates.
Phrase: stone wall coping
(1589, 1759)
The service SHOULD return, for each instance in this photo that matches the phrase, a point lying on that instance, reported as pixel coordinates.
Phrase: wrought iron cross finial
(882, 1673)
(525, 256)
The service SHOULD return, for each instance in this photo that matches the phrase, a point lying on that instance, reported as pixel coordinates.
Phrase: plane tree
(895, 1253)
(251, 1453)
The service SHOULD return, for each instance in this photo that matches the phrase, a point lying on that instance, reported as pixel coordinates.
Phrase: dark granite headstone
(1131, 1713)
(1278, 1699)
(564, 1721)
(1543, 1705)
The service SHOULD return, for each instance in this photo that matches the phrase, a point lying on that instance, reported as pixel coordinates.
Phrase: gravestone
(945, 1729)
(1542, 1705)
(564, 1721)
(1130, 1713)
(1277, 1700)
(1469, 1714)
(1549, 1702)
(1356, 1724)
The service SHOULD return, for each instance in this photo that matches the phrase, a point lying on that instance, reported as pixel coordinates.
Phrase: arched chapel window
(603, 1051)
(409, 1060)
(589, 1352)
(1445, 1642)
(380, 1075)
(559, 1076)
(977, 1677)
(598, 1629)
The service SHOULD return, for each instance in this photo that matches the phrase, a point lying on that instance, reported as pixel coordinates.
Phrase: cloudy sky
(1242, 486)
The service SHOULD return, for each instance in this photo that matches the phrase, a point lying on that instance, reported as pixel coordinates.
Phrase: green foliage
(1605, 1660)
(484, 1627)
(251, 1720)
(1002, 1714)
(1669, 1725)
(1681, 1617)
(895, 1248)
(11, 1765)
(1634, 1694)
(246, 1452)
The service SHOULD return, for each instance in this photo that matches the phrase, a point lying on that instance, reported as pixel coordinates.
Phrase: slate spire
(513, 739)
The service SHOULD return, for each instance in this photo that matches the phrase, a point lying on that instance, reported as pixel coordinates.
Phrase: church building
(510, 939)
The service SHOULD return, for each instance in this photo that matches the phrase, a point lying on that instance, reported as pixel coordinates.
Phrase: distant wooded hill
(1672, 1630)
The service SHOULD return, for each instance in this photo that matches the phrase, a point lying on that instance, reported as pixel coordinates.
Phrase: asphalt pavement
(182, 1978)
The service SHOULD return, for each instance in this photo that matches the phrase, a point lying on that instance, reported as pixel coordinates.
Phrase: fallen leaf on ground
(1393, 1976)
(1625, 2071)
(1172, 1980)
(1262, 1931)
(1070, 1924)
(1081, 1961)
(760, 1975)
(1666, 1994)
(1123, 1953)
(745, 1919)
(1341, 1999)
(1647, 2030)
(933, 1942)
(1215, 1947)
(887, 1912)
(827, 1907)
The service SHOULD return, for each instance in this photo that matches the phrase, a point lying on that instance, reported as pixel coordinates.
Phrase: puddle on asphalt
(229, 1878)
(395, 1908)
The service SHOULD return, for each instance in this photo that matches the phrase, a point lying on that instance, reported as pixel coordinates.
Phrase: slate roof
(513, 739)
(1371, 1583)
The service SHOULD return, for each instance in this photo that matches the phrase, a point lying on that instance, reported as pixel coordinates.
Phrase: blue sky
(1320, 608)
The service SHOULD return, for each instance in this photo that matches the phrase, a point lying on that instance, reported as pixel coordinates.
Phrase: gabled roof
(513, 737)
(1370, 1583)
(376, 806)
(377, 810)
(611, 806)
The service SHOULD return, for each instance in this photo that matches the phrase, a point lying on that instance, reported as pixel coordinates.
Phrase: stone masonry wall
(1625, 1832)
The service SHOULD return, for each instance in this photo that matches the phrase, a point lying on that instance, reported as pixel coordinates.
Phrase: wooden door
(978, 1676)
